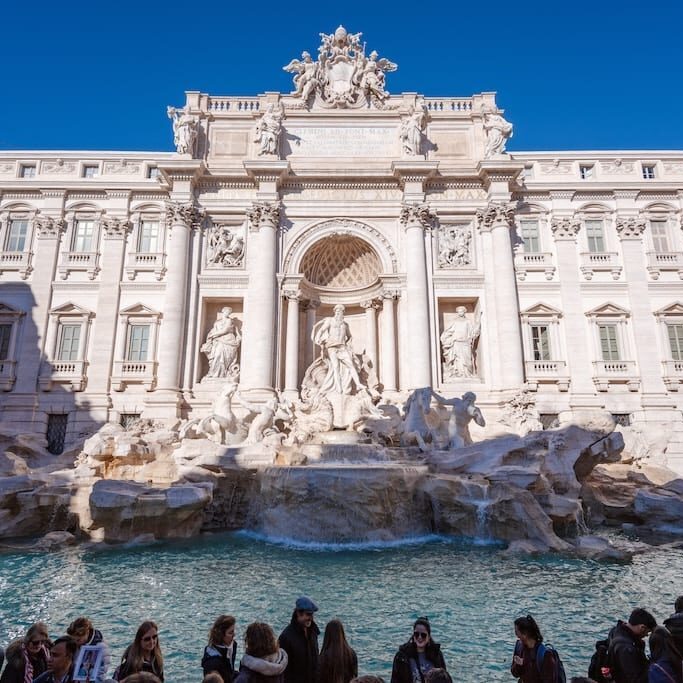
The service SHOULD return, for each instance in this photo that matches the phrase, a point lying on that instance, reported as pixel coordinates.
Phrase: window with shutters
(595, 235)
(69, 342)
(138, 342)
(83, 235)
(16, 235)
(659, 232)
(5, 337)
(530, 236)
(149, 237)
(540, 342)
(675, 333)
(609, 343)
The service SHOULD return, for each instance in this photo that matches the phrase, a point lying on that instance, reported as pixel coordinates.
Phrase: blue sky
(581, 75)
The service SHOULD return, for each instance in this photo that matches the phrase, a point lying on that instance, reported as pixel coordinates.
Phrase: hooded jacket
(401, 671)
(220, 658)
(270, 669)
(302, 651)
(627, 655)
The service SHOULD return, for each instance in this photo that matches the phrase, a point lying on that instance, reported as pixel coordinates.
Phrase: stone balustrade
(138, 262)
(529, 262)
(608, 372)
(7, 376)
(17, 261)
(71, 372)
(232, 105)
(134, 372)
(87, 261)
(658, 261)
(597, 261)
(547, 372)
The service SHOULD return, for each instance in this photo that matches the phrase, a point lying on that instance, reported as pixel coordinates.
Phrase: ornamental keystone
(565, 228)
(494, 215)
(417, 215)
(630, 227)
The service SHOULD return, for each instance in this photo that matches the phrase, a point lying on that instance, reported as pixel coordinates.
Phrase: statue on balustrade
(457, 343)
(464, 411)
(185, 127)
(410, 132)
(222, 345)
(498, 132)
(268, 129)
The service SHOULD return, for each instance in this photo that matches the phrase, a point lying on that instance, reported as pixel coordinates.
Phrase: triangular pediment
(675, 308)
(541, 309)
(6, 308)
(70, 308)
(608, 309)
(138, 309)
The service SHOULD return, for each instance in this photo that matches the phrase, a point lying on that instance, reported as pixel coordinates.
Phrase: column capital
(264, 214)
(630, 227)
(115, 228)
(292, 294)
(188, 215)
(49, 226)
(565, 227)
(495, 215)
(369, 303)
(310, 304)
(417, 216)
(391, 294)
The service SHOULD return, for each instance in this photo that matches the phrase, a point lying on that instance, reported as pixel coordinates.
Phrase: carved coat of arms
(343, 75)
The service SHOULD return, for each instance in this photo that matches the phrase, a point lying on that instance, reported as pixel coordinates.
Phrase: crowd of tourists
(296, 657)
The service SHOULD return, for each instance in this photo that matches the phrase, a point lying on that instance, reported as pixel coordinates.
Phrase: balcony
(7, 375)
(606, 372)
(17, 261)
(530, 262)
(139, 262)
(134, 372)
(672, 374)
(63, 372)
(600, 261)
(87, 261)
(657, 261)
(547, 372)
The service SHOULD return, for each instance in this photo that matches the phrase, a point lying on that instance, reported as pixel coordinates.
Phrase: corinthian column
(498, 218)
(180, 219)
(388, 353)
(371, 330)
(258, 342)
(416, 218)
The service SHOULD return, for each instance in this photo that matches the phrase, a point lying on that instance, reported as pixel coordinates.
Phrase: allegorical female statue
(457, 344)
(222, 345)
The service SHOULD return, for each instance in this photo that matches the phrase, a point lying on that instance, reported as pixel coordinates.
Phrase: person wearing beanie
(300, 641)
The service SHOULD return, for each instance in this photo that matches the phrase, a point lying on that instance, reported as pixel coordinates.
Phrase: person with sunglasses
(28, 657)
(418, 656)
(300, 641)
(143, 654)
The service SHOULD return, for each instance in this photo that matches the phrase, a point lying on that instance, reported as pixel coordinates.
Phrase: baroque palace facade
(134, 284)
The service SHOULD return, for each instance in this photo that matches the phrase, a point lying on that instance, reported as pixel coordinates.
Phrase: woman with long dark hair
(143, 654)
(337, 662)
(418, 656)
(665, 659)
(219, 654)
(525, 664)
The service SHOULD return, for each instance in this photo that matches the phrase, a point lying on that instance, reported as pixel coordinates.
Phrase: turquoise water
(470, 593)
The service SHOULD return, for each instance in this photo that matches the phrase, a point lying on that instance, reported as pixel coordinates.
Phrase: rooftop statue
(498, 132)
(184, 130)
(342, 76)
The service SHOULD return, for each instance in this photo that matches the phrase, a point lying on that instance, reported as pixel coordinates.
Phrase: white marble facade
(139, 283)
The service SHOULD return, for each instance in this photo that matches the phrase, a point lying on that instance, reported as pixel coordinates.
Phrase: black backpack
(559, 675)
(599, 660)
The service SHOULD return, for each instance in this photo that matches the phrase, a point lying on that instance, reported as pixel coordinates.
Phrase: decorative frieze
(617, 167)
(122, 167)
(58, 166)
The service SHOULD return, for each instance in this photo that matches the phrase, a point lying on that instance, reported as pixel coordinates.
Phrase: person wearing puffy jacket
(666, 665)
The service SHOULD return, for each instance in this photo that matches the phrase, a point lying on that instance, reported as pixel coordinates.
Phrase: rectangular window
(609, 346)
(540, 342)
(69, 341)
(5, 334)
(27, 172)
(648, 172)
(91, 171)
(586, 172)
(149, 237)
(676, 341)
(138, 342)
(83, 235)
(660, 236)
(530, 236)
(56, 432)
(16, 236)
(595, 236)
(152, 172)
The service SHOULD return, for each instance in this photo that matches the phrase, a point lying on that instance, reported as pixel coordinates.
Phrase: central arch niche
(341, 262)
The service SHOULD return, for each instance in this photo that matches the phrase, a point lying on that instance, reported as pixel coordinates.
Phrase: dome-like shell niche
(341, 262)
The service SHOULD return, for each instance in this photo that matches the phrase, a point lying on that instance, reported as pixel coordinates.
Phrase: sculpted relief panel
(455, 246)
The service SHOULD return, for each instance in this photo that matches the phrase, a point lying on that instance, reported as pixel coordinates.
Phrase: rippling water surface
(470, 593)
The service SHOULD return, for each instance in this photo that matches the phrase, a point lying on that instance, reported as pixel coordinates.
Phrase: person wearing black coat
(675, 624)
(418, 656)
(300, 641)
(32, 651)
(220, 653)
(627, 647)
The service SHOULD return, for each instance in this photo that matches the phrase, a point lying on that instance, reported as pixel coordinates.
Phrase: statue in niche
(498, 132)
(454, 247)
(410, 132)
(226, 247)
(457, 344)
(463, 412)
(268, 129)
(185, 127)
(222, 345)
(334, 338)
